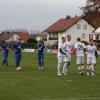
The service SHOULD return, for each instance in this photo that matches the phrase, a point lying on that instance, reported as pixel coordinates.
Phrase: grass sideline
(35, 84)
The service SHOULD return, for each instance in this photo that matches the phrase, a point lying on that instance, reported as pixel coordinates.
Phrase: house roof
(63, 24)
(6, 35)
(97, 30)
(24, 36)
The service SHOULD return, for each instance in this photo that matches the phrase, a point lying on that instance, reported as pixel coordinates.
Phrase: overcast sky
(36, 14)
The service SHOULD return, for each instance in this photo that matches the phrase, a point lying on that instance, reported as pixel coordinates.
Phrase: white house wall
(74, 32)
(14, 37)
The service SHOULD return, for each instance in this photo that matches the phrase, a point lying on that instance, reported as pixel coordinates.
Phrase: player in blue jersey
(40, 47)
(18, 47)
(5, 48)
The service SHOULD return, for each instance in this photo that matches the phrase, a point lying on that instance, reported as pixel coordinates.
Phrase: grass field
(35, 84)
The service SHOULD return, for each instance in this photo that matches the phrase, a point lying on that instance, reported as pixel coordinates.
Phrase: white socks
(81, 70)
(90, 68)
(58, 69)
(65, 68)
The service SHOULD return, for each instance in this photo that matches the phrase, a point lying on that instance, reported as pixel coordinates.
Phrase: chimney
(75, 15)
(68, 16)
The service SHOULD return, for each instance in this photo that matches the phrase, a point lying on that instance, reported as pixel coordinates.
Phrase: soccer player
(80, 50)
(68, 52)
(5, 48)
(91, 59)
(40, 46)
(62, 57)
(17, 47)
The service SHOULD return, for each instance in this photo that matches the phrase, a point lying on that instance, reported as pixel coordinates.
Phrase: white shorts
(62, 59)
(67, 59)
(80, 60)
(91, 60)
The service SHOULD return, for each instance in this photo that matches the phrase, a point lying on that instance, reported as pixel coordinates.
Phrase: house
(42, 35)
(76, 26)
(95, 35)
(14, 36)
(97, 32)
(34, 36)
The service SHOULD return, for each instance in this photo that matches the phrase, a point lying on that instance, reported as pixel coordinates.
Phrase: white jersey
(91, 50)
(69, 47)
(63, 47)
(80, 48)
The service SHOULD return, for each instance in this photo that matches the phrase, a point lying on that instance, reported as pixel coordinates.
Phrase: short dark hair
(91, 40)
(78, 39)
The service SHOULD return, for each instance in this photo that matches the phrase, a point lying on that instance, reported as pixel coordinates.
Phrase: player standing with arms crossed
(80, 51)
(91, 59)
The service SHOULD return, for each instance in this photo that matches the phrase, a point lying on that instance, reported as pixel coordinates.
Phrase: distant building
(14, 36)
(95, 35)
(74, 26)
(42, 35)
(34, 36)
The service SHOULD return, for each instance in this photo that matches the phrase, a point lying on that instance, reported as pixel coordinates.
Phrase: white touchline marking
(69, 80)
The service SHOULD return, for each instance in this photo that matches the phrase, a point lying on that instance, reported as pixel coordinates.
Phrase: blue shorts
(5, 56)
(17, 57)
(41, 57)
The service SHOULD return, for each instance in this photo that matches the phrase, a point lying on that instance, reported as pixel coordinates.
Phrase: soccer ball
(19, 69)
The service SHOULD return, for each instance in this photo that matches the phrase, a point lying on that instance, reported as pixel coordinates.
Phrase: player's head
(91, 42)
(78, 39)
(19, 40)
(69, 37)
(6, 41)
(63, 39)
(40, 42)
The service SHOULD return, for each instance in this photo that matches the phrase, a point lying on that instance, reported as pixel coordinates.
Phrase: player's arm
(45, 49)
(76, 46)
(84, 48)
(13, 47)
(96, 53)
(61, 51)
(36, 49)
(23, 47)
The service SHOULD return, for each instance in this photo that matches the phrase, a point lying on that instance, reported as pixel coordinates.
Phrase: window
(85, 27)
(83, 35)
(97, 37)
(78, 26)
(90, 36)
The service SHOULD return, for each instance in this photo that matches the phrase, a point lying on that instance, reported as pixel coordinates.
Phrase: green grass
(35, 84)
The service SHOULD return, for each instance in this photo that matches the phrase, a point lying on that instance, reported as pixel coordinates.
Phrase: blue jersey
(5, 48)
(40, 49)
(17, 48)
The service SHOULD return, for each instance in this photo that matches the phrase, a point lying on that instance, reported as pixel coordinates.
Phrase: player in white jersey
(91, 59)
(68, 49)
(61, 55)
(80, 47)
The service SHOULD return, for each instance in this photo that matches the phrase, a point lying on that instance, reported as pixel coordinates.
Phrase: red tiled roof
(62, 24)
(24, 36)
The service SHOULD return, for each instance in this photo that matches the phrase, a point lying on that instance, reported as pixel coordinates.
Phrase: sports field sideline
(35, 84)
